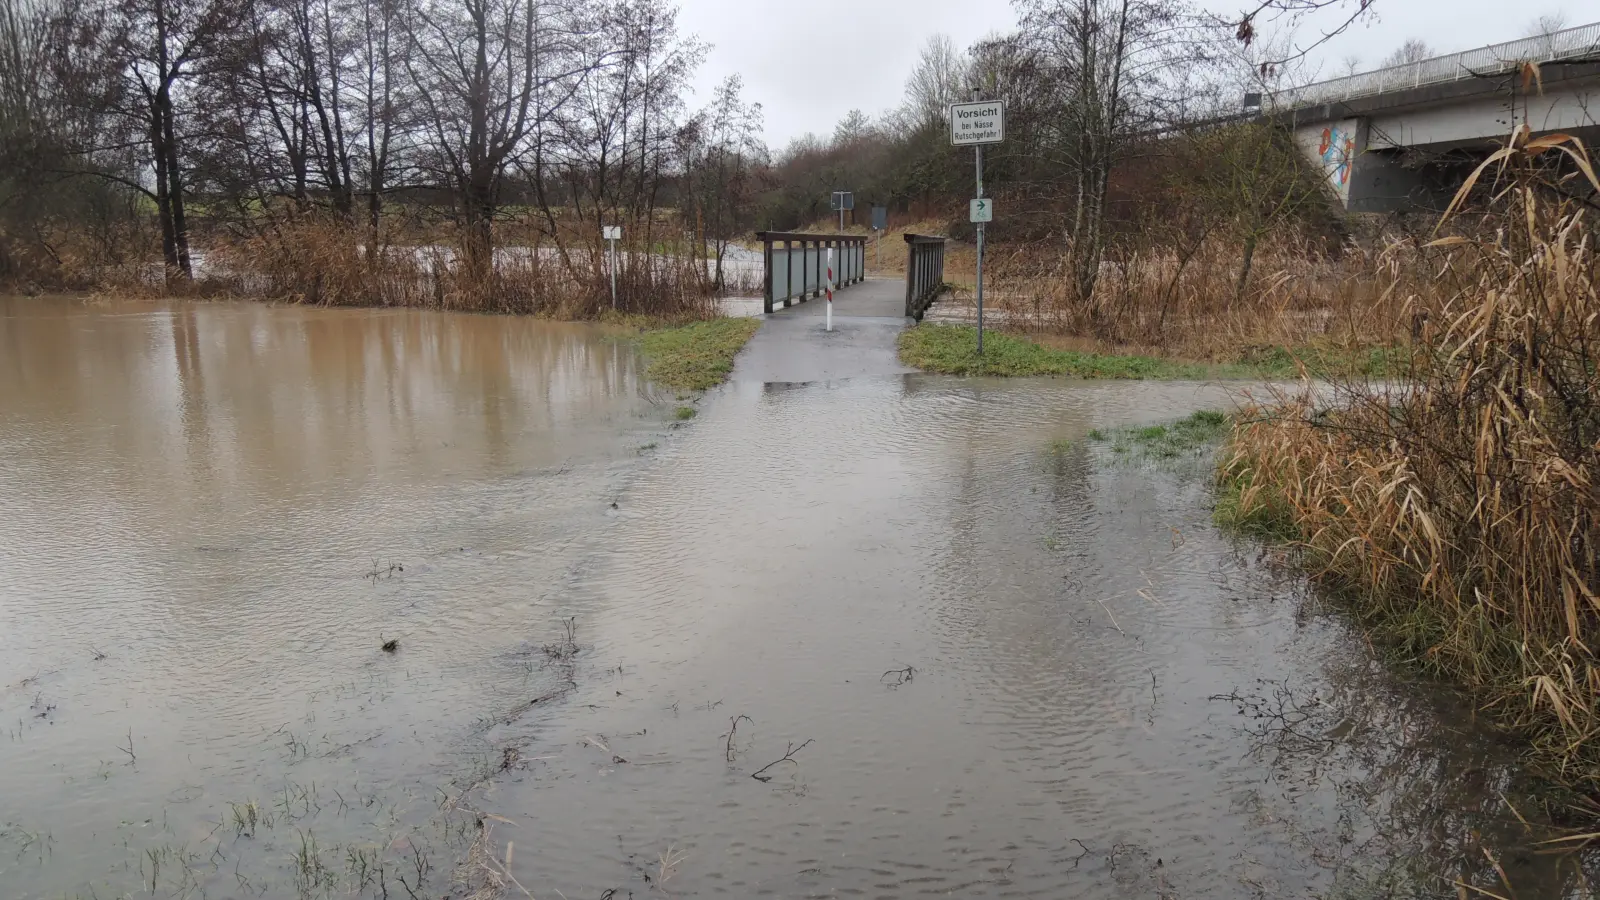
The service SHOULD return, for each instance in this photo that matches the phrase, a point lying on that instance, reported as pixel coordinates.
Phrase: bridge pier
(1403, 137)
(1383, 179)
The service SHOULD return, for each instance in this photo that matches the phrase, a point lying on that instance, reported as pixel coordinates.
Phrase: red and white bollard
(829, 287)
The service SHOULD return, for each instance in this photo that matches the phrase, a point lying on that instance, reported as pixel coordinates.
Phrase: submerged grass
(1185, 437)
(697, 356)
(953, 350)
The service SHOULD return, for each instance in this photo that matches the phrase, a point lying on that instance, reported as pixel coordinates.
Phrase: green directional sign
(982, 210)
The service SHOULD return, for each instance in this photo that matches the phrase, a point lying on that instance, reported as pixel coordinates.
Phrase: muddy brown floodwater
(1007, 660)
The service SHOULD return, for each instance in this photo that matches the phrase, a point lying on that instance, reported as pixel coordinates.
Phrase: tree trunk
(1244, 268)
(478, 237)
(169, 241)
(169, 189)
(374, 201)
(180, 219)
(1087, 244)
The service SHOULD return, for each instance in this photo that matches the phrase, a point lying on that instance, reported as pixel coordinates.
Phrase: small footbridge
(801, 267)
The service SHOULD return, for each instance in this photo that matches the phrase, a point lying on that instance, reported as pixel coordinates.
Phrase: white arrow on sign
(982, 210)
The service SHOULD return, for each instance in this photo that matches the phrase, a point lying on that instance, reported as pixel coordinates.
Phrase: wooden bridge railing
(924, 272)
(798, 270)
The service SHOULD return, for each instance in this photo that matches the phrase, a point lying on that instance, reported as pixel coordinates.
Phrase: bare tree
(487, 72)
(1331, 18)
(24, 30)
(1547, 24)
(1108, 55)
(722, 153)
(153, 49)
(1256, 182)
(23, 37)
(612, 141)
(380, 89)
(321, 52)
(1414, 50)
(853, 128)
(938, 80)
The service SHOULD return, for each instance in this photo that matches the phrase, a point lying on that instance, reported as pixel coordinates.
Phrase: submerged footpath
(865, 629)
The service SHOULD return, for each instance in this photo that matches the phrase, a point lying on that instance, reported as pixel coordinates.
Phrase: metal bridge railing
(1493, 59)
(798, 270)
(924, 272)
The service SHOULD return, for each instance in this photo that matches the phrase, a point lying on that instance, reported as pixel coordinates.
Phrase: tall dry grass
(1460, 506)
(1187, 301)
(319, 260)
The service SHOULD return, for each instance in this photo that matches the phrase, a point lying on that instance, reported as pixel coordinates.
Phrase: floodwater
(1000, 658)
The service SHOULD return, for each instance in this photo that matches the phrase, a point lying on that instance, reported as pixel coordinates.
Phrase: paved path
(792, 345)
(883, 298)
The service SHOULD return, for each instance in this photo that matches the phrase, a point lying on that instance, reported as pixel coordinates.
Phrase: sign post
(842, 201)
(612, 234)
(975, 124)
(880, 223)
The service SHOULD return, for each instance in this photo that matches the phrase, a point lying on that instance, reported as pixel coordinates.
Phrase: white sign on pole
(611, 234)
(981, 210)
(973, 124)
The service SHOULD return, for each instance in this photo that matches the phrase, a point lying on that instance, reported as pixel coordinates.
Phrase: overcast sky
(808, 62)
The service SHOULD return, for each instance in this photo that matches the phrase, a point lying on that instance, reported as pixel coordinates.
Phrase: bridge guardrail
(798, 270)
(1493, 59)
(924, 272)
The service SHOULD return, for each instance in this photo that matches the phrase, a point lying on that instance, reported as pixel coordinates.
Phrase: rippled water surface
(1008, 660)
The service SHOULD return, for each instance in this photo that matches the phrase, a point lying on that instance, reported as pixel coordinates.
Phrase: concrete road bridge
(1400, 137)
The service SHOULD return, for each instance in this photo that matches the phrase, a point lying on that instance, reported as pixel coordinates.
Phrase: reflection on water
(204, 515)
(1075, 627)
(1023, 667)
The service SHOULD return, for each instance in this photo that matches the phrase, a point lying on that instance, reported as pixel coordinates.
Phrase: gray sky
(810, 62)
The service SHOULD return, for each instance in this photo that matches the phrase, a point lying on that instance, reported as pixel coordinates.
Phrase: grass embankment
(953, 350)
(697, 356)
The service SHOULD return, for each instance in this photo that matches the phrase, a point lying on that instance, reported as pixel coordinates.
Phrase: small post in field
(612, 234)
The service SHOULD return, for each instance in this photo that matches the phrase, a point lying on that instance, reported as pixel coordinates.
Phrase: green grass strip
(953, 350)
(697, 356)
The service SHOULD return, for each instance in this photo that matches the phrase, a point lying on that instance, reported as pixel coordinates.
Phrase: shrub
(1459, 506)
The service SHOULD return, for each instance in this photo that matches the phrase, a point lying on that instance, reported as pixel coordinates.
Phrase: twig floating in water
(897, 677)
(788, 757)
(733, 725)
(1113, 618)
(132, 760)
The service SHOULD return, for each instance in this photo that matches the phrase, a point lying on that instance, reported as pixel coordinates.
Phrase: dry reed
(1159, 297)
(318, 260)
(1458, 508)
